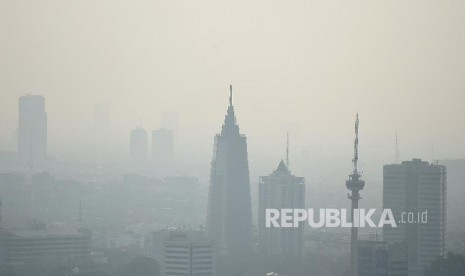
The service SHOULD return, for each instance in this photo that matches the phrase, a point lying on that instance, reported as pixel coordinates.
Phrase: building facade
(138, 150)
(416, 193)
(280, 190)
(229, 214)
(32, 131)
(186, 254)
(44, 246)
(163, 151)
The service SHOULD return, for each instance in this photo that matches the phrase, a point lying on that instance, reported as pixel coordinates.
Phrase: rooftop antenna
(230, 95)
(354, 184)
(397, 150)
(355, 160)
(287, 150)
(432, 153)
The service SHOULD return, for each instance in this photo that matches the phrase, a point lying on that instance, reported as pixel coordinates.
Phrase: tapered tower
(229, 214)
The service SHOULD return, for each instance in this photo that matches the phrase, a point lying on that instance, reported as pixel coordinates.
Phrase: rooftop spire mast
(397, 150)
(355, 160)
(230, 95)
(287, 150)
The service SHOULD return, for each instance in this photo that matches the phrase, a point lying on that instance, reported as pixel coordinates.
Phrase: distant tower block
(163, 151)
(354, 184)
(280, 190)
(139, 146)
(32, 131)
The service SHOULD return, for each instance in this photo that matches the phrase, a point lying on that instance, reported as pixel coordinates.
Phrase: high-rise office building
(280, 190)
(416, 193)
(138, 146)
(163, 151)
(229, 214)
(32, 131)
(187, 254)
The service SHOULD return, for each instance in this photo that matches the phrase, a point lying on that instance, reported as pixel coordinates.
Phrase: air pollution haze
(300, 71)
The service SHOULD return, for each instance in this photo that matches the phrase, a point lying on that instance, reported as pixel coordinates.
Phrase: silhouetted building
(229, 215)
(377, 258)
(163, 151)
(280, 190)
(138, 146)
(32, 131)
(188, 254)
(416, 192)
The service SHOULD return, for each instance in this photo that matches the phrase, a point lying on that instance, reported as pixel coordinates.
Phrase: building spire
(287, 150)
(230, 95)
(355, 160)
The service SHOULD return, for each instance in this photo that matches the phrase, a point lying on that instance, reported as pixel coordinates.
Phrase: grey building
(187, 253)
(45, 246)
(32, 131)
(163, 151)
(413, 189)
(138, 150)
(280, 190)
(229, 214)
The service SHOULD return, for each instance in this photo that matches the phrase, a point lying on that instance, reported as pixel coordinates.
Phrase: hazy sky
(303, 65)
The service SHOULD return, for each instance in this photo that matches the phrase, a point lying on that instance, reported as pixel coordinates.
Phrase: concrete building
(280, 190)
(45, 246)
(229, 211)
(416, 192)
(163, 151)
(138, 146)
(32, 131)
(188, 254)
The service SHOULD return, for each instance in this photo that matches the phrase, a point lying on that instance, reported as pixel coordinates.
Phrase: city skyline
(121, 153)
(309, 71)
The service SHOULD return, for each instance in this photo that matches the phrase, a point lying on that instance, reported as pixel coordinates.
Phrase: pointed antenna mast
(432, 153)
(397, 150)
(230, 95)
(355, 160)
(287, 150)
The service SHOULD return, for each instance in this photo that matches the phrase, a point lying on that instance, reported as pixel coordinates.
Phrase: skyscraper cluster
(410, 189)
(162, 156)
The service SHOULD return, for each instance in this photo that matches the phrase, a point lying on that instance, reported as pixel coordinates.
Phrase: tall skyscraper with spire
(229, 214)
